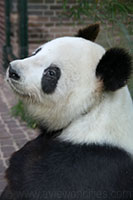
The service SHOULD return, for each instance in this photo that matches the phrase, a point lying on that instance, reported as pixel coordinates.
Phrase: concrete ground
(13, 133)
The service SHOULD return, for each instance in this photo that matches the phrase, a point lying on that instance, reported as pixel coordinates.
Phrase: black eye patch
(50, 79)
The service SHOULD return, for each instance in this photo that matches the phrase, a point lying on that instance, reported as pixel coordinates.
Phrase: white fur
(110, 122)
(78, 104)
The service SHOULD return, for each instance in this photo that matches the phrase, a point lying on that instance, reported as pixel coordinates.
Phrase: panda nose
(13, 74)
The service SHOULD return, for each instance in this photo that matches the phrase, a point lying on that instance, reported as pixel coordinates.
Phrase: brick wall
(2, 31)
(46, 21)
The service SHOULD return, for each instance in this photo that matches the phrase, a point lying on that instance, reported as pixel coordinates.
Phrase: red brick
(50, 1)
(55, 7)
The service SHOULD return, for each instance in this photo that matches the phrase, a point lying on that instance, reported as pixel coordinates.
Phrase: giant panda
(78, 92)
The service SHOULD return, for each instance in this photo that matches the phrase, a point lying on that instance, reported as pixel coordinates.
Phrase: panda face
(58, 81)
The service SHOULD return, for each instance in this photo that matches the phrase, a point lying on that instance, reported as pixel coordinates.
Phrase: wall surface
(47, 21)
(2, 31)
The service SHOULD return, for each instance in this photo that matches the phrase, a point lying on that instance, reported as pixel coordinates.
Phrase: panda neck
(111, 122)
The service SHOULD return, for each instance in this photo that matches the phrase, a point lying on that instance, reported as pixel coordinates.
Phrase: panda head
(67, 77)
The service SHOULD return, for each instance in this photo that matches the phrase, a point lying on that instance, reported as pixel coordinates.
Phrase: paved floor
(13, 133)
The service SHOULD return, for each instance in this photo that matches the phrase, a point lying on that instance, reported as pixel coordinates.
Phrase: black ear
(114, 69)
(90, 32)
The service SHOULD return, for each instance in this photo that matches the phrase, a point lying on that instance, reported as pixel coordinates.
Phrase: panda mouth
(16, 87)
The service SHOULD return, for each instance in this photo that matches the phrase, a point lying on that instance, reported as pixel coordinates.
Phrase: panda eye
(51, 73)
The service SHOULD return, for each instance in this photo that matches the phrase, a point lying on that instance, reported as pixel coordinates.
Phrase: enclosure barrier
(22, 33)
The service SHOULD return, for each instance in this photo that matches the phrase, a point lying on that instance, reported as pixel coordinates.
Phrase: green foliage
(100, 10)
(115, 15)
(19, 111)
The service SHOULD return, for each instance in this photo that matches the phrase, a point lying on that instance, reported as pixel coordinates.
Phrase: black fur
(46, 169)
(114, 69)
(90, 32)
(50, 79)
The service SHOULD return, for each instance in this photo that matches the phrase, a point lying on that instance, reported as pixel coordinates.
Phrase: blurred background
(26, 24)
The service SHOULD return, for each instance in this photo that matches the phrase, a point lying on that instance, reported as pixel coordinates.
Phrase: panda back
(49, 169)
